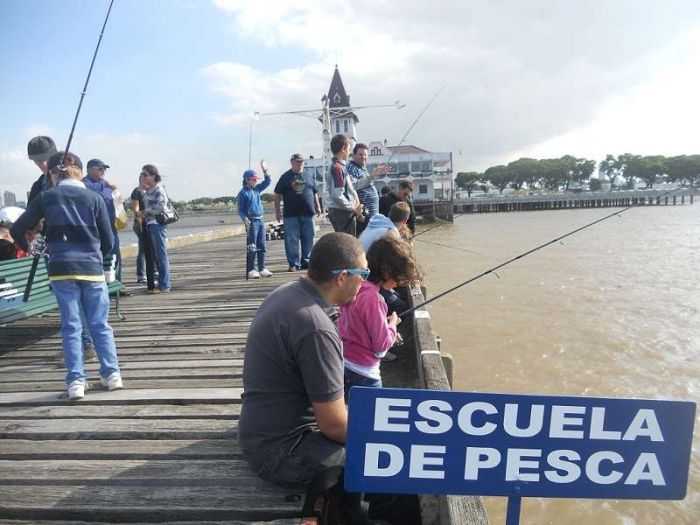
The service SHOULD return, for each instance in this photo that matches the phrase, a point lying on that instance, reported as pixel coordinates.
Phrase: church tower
(343, 120)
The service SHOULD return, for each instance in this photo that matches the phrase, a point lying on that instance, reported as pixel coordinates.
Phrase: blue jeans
(85, 333)
(159, 239)
(93, 298)
(298, 229)
(141, 257)
(256, 244)
(352, 378)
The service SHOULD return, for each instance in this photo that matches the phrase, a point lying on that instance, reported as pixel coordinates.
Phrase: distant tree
(611, 168)
(596, 185)
(684, 169)
(498, 176)
(524, 171)
(648, 168)
(267, 197)
(582, 170)
(468, 180)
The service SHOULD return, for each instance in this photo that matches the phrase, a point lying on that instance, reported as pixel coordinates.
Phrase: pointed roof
(336, 93)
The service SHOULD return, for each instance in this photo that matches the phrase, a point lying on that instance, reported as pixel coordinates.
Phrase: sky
(176, 82)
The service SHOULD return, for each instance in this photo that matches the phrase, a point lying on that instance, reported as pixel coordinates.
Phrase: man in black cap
(95, 181)
(39, 150)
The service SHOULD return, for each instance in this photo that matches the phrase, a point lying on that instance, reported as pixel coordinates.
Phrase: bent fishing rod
(494, 269)
(61, 166)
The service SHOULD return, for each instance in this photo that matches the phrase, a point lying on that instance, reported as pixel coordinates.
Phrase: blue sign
(441, 442)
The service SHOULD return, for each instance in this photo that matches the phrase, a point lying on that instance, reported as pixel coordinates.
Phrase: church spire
(342, 120)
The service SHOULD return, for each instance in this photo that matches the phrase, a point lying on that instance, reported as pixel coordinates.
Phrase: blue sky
(176, 81)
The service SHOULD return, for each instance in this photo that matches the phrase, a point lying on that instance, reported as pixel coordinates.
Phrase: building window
(345, 125)
(337, 126)
(376, 151)
(423, 189)
(403, 167)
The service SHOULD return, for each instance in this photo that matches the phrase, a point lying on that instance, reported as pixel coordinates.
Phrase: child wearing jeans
(364, 327)
(251, 212)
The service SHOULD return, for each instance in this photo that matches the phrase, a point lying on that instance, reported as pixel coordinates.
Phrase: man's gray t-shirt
(293, 357)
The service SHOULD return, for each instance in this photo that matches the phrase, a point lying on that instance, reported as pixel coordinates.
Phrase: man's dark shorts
(298, 459)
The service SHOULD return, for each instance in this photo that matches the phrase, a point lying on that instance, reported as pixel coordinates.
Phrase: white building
(430, 172)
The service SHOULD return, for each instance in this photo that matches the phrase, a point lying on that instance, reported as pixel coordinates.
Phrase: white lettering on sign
(373, 454)
(516, 461)
(423, 456)
(383, 412)
(597, 424)
(464, 418)
(478, 458)
(644, 424)
(563, 416)
(432, 410)
(510, 421)
(436, 416)
(646, 468)
(566, 470)
(593, 468)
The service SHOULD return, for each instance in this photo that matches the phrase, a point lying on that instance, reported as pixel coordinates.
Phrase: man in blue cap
(95, 181)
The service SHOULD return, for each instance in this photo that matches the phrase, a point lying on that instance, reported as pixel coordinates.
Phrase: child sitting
(363, 325)
(251, 212)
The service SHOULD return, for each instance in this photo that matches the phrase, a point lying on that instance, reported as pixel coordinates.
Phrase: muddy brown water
(612, 312)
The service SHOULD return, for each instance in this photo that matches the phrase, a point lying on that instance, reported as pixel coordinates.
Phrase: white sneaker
(112, 382)
(76, 390)
(265, 273)
(253, 274)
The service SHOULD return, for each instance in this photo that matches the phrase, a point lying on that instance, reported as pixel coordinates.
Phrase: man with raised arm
(363, 182)
(293, 420)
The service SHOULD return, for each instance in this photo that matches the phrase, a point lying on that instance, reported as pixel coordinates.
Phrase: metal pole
(513, 511)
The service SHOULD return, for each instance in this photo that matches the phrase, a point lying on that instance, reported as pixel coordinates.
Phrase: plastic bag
(121, 220)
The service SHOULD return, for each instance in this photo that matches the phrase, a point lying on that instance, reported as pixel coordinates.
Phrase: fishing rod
(523, 255)
(406, 135)
(61, 167)
(416, 122)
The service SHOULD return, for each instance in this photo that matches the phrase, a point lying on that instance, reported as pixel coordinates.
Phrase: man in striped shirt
(363, 182)
(79, 237)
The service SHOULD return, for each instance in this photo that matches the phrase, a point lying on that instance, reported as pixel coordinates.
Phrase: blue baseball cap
(249, 174)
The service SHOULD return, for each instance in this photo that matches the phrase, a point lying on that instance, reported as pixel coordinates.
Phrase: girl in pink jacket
(364, 327)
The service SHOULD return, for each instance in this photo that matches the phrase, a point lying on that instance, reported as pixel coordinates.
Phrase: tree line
(559, 174)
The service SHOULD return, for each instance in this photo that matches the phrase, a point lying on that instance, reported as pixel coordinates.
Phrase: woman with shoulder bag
(157, 205)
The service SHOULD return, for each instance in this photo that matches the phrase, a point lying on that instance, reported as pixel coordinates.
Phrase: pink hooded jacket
(364, 328)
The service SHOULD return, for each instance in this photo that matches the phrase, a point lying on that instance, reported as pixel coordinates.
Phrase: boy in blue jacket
(251, 212)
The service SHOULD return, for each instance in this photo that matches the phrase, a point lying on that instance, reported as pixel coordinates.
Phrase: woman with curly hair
(364, 327)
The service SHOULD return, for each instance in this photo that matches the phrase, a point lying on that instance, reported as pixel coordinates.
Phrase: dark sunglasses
(362, 272)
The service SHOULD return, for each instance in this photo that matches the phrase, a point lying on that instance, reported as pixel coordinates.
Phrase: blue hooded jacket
(249, 204)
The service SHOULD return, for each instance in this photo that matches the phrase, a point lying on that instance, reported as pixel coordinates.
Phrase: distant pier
(618, 199)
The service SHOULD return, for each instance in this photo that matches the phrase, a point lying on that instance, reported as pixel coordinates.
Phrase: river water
(613, 312)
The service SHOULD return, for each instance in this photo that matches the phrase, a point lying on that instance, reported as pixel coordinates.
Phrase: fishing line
(455, 248)
(61, 166)
(525, 254)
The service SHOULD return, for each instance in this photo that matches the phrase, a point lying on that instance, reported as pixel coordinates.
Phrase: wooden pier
(164, 449)
(618, 199)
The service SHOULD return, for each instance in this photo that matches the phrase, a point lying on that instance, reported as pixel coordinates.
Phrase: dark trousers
(150, 257)
(343, 221)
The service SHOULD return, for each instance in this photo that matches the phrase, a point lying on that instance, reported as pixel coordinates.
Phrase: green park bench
(14, 277)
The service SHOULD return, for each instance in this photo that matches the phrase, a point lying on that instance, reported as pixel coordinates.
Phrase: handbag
(168, 216)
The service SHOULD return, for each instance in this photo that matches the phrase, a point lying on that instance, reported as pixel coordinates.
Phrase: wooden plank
(132, 373)
(85, 411)
(116, 429)
(23, 449)
(138, 383)
(130, 365)
(180, 396)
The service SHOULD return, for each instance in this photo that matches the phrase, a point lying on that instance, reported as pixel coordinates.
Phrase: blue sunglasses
(362, 272)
